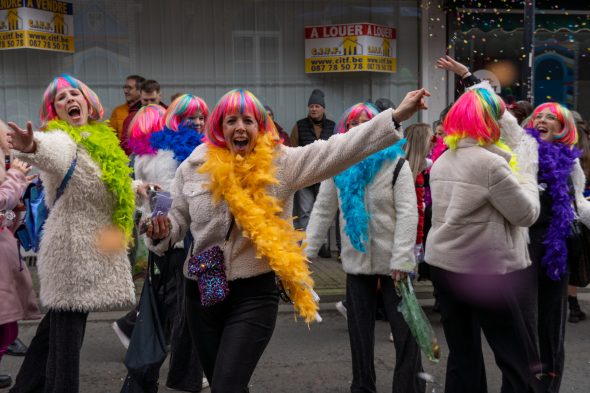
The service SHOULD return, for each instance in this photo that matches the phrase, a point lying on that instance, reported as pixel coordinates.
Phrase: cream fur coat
(74, 274)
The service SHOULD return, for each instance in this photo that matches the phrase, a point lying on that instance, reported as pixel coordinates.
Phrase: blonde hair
(417, 146)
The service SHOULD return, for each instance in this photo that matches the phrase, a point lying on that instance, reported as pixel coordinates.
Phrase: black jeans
(471, 303)
(361, 302)
(550, 304)
(52, 362)
(233, 334)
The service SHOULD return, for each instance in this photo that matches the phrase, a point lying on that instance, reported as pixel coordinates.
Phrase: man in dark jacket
(308, 130)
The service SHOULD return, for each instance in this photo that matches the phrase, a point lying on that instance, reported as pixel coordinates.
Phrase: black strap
(66, 179)
(231, 226)
(398, 168)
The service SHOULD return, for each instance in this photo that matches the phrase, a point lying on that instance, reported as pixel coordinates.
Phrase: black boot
(576, 313)
(5, 381)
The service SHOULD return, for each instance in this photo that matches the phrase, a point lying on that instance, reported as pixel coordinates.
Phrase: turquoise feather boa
(351, 185)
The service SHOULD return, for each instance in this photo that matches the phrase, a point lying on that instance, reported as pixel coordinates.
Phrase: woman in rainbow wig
(82, 261)
(242, 173)
(561, 184)
(476, 250)
(162, 140)
(184, 124)
(378, 224)
(546, 151)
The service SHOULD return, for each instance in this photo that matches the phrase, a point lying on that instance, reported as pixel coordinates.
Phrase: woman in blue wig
(378, 217)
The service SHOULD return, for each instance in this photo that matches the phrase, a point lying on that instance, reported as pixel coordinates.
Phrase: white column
(433, 39)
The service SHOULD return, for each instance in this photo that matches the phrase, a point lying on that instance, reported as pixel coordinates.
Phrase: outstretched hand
(450, 64)
(21, 139)
(412, 103)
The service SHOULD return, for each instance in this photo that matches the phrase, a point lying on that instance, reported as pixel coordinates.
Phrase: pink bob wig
(236, 101)
(183, 107)
(63, 81)
(146, 121)
(569, 132)
(353, 113)
(475, 115)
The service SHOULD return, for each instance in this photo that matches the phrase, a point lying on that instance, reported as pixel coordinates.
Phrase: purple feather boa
(555, 166)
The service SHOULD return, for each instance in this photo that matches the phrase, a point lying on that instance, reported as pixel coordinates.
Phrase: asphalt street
(302, 359)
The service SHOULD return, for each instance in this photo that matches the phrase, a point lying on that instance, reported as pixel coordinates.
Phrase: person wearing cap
(308, 130)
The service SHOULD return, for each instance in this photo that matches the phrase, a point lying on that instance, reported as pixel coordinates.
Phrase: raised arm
(51, 152)
(516, 199)
(322, 215)
(320, 160)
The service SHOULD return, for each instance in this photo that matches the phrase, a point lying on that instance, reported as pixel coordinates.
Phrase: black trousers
(494, 303)
(233, 334)
(361, 302)
(549, 327)
(52, 362)
(185, 372)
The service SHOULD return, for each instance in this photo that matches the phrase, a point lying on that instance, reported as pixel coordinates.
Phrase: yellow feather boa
(243, 183)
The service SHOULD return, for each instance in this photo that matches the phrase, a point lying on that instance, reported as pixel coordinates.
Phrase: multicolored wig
(353, 113)
(183, 107)
(236, 101)
(569, 132)
(475, 115)
(146, 121)
(48, 112)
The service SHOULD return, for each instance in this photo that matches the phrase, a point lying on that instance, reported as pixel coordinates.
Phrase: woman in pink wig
(82, 261)
(236, 191)
(476, 252)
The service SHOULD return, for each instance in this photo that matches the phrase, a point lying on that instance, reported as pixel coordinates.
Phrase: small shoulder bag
(209, 269)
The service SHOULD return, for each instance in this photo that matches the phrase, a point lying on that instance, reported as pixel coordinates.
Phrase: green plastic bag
(417, 321)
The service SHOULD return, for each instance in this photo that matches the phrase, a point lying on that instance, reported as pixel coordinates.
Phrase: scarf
(101, 143)
(243, 182)
(352, 184)
(181, 142)
(555, 166)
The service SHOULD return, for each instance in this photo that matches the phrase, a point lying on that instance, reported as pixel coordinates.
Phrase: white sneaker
(122, 336)
(342, 309)
(205, 383)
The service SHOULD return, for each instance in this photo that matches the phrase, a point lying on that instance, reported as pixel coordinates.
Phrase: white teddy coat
(393, 222)
(74, 275)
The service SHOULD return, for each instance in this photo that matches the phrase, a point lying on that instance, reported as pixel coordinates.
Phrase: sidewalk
(330, 284)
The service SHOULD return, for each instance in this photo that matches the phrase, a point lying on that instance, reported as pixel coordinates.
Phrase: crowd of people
(481, 203)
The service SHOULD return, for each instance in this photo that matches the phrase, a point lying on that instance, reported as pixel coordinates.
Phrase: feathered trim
(352, 184)
(243, 182)
(102, 144)
(181, 142)
(556, 161)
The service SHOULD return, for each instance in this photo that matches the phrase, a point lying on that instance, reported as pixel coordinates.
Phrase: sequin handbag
(209, 269)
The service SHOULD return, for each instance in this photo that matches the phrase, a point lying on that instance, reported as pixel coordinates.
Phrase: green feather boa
(100, 141)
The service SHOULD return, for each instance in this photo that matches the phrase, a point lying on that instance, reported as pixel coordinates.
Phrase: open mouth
(74, 112)
(241, 143)
(542, 129)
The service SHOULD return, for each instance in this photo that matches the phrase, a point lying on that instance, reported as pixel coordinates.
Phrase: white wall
(207, 47)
